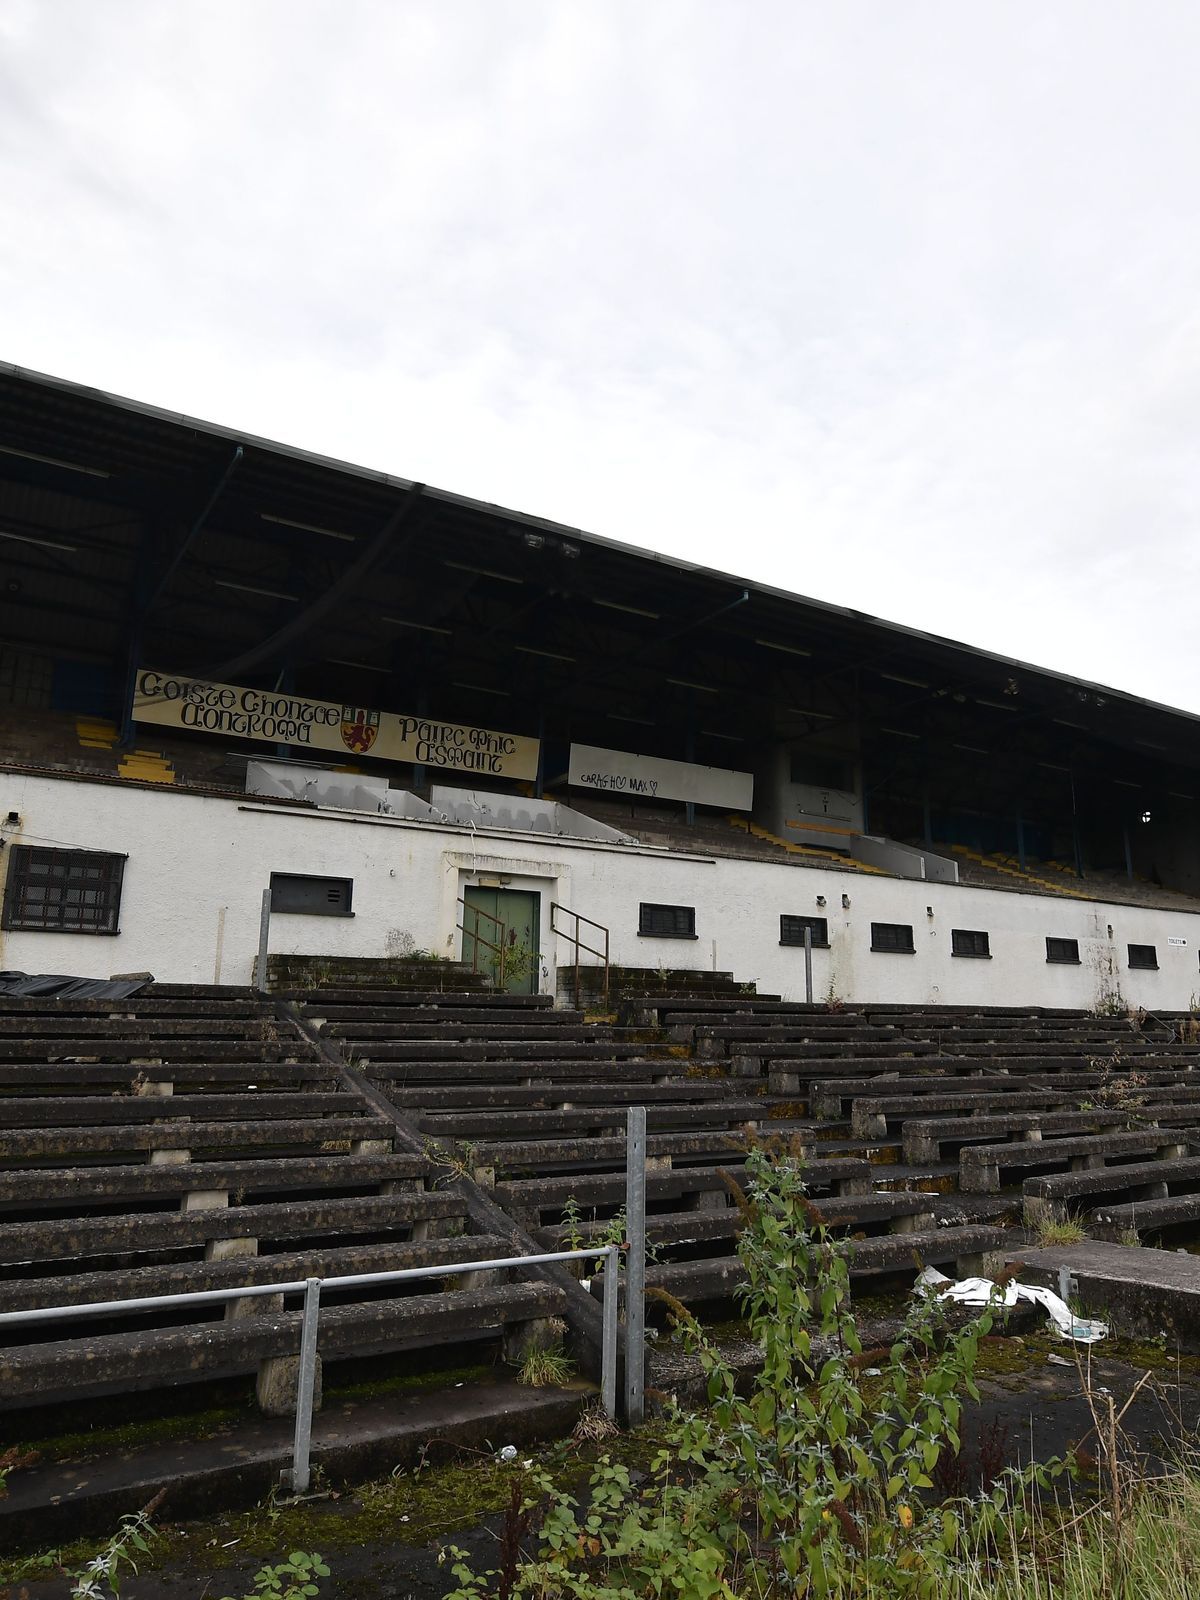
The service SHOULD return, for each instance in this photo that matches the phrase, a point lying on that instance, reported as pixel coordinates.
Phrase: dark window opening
(822, 771)
(307, 896)
(1144, 955)
(667, 922)
(969, 942)
(791, 931)
(1063, 950)
(62, 891)
(894, 937)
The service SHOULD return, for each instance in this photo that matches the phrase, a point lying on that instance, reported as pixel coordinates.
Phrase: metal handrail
(580, 945)
(300, 1474)
(499, 949)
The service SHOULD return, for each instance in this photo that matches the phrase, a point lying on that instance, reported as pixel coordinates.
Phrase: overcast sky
(894, 304)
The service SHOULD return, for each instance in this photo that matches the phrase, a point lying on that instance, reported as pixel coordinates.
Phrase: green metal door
(503, 917)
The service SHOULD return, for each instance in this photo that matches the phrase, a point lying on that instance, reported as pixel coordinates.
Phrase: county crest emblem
(360, 728)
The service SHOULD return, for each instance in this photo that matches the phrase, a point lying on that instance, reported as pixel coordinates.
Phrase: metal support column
(635, 1267)
(306, 1375)
(808, 992)
(1076, 844)
(264, 939)
(608, 1338)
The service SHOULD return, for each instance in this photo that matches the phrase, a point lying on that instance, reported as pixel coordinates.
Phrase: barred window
(62, 891)
(969, 942)
(667, 922)
(791, 931)
(893, 937)
(1063, 950)
(1143, 955)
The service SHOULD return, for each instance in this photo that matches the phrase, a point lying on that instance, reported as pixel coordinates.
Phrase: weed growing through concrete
(546, 1369)
(1053, 1231)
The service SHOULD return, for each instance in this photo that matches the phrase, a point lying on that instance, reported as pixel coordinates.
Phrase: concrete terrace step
(243, 1343)
(404, 1000)
(75, 1184)
(1152, 1180)
(582, 1121)
(525, 1089)
(492, 1077)
(181, 1134)
(186, 1277)
(327, 1218)
(355, 1438)
(54, 1109)
(83, 1076)
(982, 1167)
(925, 1140)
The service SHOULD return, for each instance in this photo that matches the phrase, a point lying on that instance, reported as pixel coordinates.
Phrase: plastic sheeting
(983, 1292)
(58, 986)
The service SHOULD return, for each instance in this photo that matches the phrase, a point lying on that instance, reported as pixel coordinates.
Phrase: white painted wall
(197, 866)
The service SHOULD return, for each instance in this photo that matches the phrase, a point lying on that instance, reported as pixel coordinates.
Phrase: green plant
(293, 1579)
(813, 1483)
(102, 1576)
(1130, 1237)
(546, 1369)
(1053, 1230)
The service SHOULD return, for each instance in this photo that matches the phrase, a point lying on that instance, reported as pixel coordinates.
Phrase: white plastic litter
(982, 1292)
(509, 1453)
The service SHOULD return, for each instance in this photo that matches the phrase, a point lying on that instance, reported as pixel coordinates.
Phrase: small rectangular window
(894, 937)
(1143, 955)
(307, 896)
(791, 931)
(969, 942)
(667, 922)
(62, 891)
(1063, 950)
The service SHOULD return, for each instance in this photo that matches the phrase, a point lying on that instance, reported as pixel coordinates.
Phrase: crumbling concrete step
(509, 1084)
(241, 1344)
(982, 1166)
(59, 1110)
(354, 1439)
(186, 1277)
(1142, 1218)
(183, 1134)
(507, 1155)
(454, 1051)
(252, 1074)
(535, 1095)
(76, 1238)
(579, 1120)
(401, 1000)
(926, 1140)
(94, 1048)
(451, 1018)
(53, 1029)
(1142, 1294)
(450, 1033)
(187, 1177)
(1150, 1180)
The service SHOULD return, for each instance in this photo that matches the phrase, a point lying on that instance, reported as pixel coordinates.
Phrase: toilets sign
(173, 700)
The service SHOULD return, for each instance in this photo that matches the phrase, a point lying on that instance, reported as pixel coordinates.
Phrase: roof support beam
(381, 546)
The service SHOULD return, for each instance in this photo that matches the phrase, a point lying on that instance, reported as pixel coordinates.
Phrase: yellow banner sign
(175, 701)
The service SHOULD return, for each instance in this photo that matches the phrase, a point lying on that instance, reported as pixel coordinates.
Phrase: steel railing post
(808, 963)
(264, 939)
(635, 1267)
(608, 1338)
(306, 1375)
